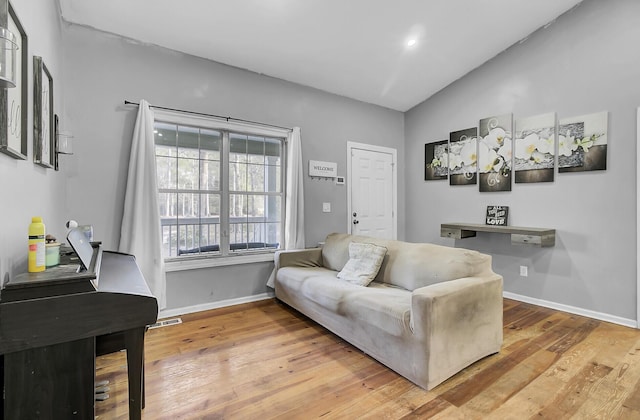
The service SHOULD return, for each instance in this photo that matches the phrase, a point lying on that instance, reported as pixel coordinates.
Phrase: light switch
(326, 207)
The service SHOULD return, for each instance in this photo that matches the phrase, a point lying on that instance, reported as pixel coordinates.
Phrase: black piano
(52, 325)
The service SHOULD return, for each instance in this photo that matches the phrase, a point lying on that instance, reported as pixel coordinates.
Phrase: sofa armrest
(460, 321)
(311, 257)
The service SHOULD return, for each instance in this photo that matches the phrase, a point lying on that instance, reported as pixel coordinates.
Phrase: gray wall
(587, 61)
(104, 70)
(26, 189)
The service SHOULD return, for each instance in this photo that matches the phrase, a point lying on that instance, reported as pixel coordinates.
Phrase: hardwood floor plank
(473, 386)
(265, 360)
(512, 382)
(569, 399)
(541, 392)
(399, 398)
(619, 389)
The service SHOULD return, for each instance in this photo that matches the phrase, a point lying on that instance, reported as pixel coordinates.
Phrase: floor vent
(166, 323)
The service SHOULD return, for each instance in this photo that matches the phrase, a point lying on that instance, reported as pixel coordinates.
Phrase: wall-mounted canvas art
(436, 160)
(494, 153)
(535, 146)
(582, 143)
(463, 157)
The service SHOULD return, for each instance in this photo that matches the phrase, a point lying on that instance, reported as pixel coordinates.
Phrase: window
(220, 187)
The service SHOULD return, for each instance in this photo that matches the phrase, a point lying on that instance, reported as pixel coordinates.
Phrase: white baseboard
(167, 313)
(573, 310)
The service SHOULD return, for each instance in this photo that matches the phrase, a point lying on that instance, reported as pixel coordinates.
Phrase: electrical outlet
(524, 271)
(326, 207)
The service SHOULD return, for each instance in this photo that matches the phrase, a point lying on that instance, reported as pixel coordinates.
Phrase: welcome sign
(323, 169)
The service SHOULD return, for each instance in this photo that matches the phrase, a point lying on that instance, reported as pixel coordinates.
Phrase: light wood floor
(264, 360)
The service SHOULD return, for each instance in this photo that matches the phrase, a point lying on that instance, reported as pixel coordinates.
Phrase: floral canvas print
(494, 153)
(582, 143)
(435, 160)
(535, 145)
(463, 157)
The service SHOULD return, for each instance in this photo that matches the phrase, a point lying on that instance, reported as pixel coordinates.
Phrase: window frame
(203, 260)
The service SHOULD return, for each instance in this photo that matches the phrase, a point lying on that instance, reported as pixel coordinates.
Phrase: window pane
(210, 208)
(210, 142)
(188, 142)
(188, 236)
(210, 223)
(188, 207)
(238, 236)
(237, 148)
(169, 238)
(188, 174)
(237, 177)
(188, 210)
(256, 234)
(210, 238)
(273, 181)
(255, 208)
(273, 210)
(165, 134)
(272, 150)
(255, 175)
(237, 207)
(166, 172)
(209, 175)
(167, 206)
(273, 234)
(255, 149)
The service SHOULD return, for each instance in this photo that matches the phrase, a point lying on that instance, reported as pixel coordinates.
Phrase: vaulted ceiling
(354, 48)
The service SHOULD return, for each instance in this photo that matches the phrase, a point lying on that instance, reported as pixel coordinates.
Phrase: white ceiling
(354, 48)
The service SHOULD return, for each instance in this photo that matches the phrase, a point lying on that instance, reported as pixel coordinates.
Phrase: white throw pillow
(364, 262)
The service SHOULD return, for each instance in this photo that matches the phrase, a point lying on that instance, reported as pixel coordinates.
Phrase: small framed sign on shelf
(497, 215)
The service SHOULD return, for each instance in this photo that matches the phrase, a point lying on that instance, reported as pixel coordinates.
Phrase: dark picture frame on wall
(43, 117)
(497, 216)
(56, 141)
(14, 101)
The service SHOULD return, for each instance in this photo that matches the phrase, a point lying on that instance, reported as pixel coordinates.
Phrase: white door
(372, 191)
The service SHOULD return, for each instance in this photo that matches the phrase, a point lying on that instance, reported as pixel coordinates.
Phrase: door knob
(355, 222)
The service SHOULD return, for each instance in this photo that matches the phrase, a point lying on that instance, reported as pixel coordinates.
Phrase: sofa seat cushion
(330, 293)
(293, 277)
(317, 284)
(382, 306)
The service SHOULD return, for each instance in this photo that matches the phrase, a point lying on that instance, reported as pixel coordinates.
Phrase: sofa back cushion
(409, 265)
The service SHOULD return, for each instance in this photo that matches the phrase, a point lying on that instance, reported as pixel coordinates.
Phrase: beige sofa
(430, 312)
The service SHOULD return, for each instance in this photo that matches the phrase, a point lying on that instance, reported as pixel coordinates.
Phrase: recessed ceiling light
(411, 42)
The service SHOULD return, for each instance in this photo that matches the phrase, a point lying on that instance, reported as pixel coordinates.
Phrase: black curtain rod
(210, 115)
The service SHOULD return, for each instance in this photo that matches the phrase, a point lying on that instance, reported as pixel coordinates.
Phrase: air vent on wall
(166, 323)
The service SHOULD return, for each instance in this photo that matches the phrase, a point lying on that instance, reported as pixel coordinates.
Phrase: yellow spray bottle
(37, 250)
